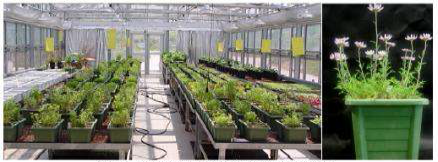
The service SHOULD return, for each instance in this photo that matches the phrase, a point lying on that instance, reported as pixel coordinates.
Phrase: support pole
(109, 55)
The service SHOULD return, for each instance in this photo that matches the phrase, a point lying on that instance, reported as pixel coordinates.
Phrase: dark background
(356, 21)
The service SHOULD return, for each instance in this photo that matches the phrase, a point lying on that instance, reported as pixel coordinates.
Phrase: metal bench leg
(197, 142)
(130, 153)
(274, 154)
(222, 154)
(187, 123)
(50, 154)
(122, 155)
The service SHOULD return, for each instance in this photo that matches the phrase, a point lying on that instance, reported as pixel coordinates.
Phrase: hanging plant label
(297, 46)
(266, 46)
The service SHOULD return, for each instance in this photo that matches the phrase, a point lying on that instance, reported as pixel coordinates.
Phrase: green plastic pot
(81, 135)
(47, 134)
(190, 98)
(13, 131)
(208, 123)
(266, 117)
(120, 135)
(223, 134)
(315, 131)
(253, 133)
(198, 107)
(387, 128)
(292, 135)
(236, 116)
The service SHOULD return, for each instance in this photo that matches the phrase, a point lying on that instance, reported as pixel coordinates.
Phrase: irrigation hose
(39, 154)
(160, 111)
(284, 152)
(170, 110)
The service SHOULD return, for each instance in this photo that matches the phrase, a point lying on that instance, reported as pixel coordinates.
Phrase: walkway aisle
(175, 141)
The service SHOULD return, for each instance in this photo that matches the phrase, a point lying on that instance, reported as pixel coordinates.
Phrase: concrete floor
(176, 141)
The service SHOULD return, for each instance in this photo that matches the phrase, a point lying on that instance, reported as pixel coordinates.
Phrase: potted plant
(266, 105)
(51, 60)
(94, 104)
(59, 63)
(386, 105)
(72, 84)
(270, 74)
(240, 108)
(31, 103)
(211, 107)
(72, 60)
(252, 128)
(68, 63)
(52, 63)
(81, 128)
(120, 127)
(315, 128)
(112, 87)
(47, 123)
(291, 129)
(66, 100)
(12, 121)
(222, 127)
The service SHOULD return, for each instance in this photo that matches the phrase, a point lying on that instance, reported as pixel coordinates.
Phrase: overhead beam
(157, 11)
(235, 5)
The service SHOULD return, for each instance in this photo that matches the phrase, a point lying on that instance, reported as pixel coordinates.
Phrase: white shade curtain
(199, 44)
(91, 42)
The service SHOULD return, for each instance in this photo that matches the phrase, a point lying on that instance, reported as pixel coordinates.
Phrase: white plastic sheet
(90, 42)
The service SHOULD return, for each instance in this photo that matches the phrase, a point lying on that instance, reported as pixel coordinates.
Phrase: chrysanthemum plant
(375, 79)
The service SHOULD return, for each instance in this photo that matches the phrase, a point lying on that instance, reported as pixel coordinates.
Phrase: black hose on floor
(165, 109)
(39, 154)
(159, 111)
(284, 152)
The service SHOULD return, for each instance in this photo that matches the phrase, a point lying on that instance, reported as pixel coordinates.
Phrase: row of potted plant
(285, 104)
(61, 113)
(217, 120)
(120, 126)
(237, 69)
(173, 57)
(61, 107)
(291, 92)
(250, 127)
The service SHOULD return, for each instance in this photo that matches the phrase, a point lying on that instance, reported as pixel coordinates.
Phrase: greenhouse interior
(162, 81)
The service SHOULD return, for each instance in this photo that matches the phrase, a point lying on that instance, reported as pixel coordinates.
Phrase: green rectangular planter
(120, 135)
(81, 135)
(387, 128)
(266, 117)
(12, 132)
(253, 134)
(47, 135)
(234, 113)
(292, 135)
(223, 134)
(315, 132)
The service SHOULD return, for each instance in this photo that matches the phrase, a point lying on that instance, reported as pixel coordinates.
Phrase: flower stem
(360, 64)
(421, 64)
(375, 44)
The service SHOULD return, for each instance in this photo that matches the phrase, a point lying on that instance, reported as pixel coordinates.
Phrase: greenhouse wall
(307, 68)
(26, 42)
